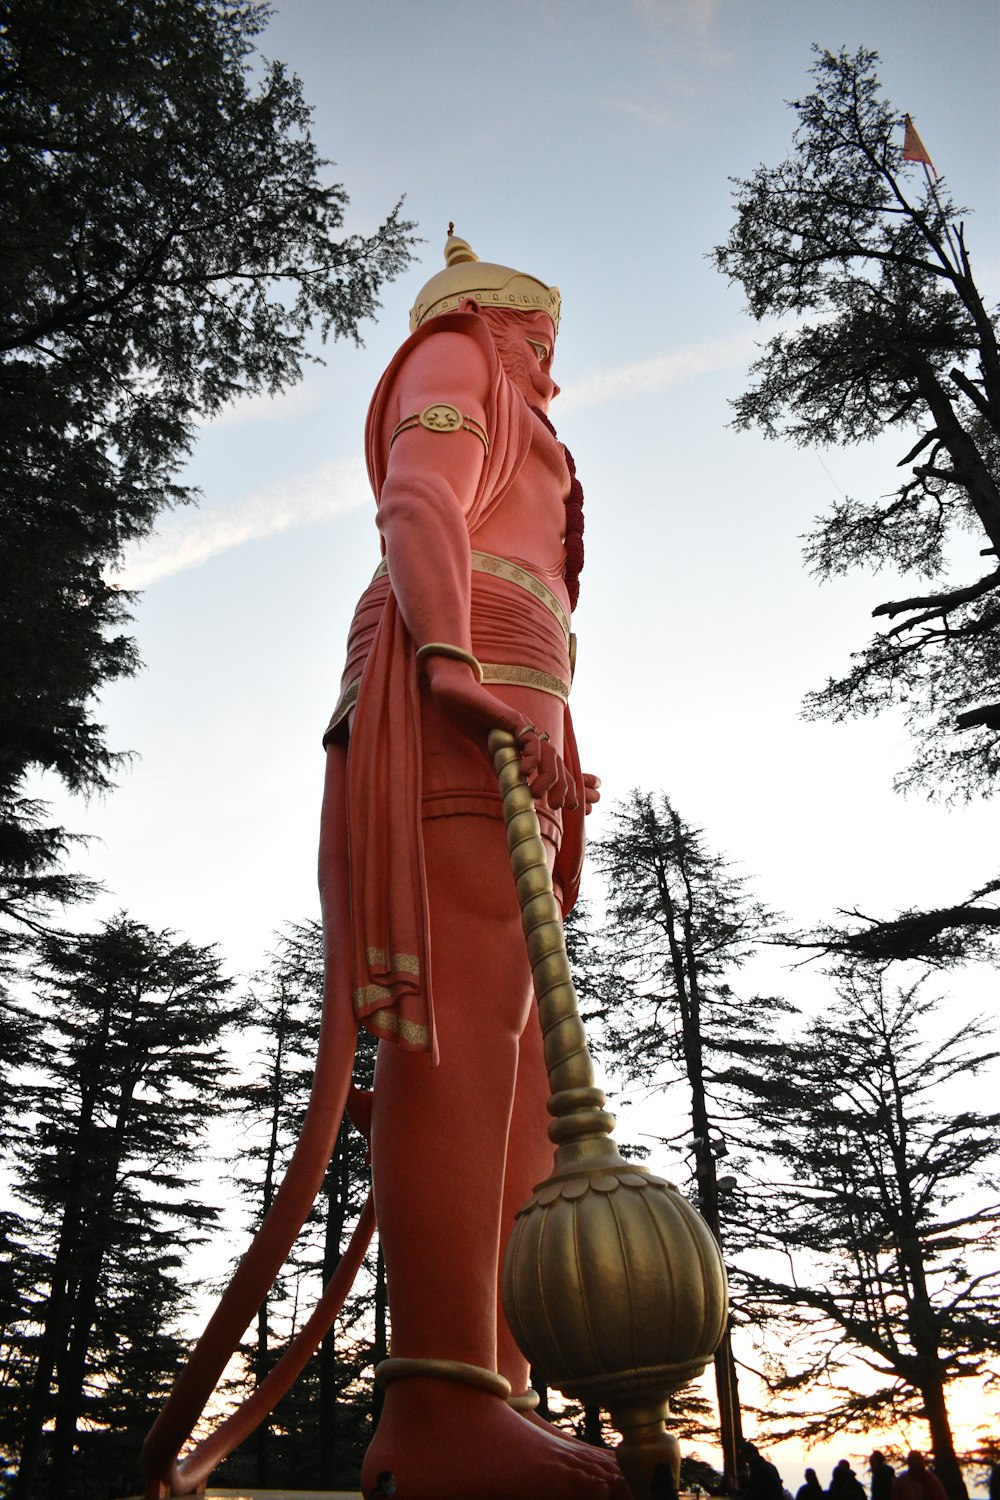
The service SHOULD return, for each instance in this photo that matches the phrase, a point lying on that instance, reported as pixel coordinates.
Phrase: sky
(591, 143)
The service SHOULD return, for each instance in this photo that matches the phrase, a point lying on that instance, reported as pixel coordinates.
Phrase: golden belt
(501, 567)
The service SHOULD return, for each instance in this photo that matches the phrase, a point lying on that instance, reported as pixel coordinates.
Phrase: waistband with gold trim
(502, 567)
(495, 672)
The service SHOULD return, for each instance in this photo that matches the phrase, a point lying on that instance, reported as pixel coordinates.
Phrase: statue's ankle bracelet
(443, 1369)
(526, 1401)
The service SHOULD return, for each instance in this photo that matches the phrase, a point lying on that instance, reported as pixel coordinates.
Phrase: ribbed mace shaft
(581, 1126)
(613, 1285)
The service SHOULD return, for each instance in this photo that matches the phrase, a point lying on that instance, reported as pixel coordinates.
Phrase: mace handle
(580, 1124)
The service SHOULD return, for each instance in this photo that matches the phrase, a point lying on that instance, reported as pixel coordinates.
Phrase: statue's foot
(565, 1436)
(445, 1441)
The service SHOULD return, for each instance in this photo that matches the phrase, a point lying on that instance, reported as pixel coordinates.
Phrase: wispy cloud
(654, 374)
(189, 539)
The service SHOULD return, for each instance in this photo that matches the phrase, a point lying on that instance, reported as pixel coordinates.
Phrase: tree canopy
(170, 237)
(890, 332)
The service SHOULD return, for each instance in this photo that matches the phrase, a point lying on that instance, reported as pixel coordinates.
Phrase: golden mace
(613, 1285)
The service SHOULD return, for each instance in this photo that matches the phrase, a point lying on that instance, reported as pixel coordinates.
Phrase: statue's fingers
(530, 742)
(564, 789)
(548, 771)
(530, 757)
(553, 780)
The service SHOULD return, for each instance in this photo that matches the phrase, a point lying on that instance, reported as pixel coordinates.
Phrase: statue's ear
(470, 305)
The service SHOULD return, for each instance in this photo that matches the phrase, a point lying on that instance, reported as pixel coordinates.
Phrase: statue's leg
(439, 1146)
(439, 1135)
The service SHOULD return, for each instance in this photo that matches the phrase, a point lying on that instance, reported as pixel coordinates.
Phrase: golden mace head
(613, 1285)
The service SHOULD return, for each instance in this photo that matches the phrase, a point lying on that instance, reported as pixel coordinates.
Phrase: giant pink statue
(464, 628)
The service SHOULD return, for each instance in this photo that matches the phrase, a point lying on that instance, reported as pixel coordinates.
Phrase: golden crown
(465, 275)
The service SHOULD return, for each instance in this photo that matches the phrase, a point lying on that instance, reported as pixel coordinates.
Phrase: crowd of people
(760, 1480)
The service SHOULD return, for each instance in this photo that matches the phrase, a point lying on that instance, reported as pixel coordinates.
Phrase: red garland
(574, 520)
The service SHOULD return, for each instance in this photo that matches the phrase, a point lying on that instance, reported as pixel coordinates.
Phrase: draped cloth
(391, 937)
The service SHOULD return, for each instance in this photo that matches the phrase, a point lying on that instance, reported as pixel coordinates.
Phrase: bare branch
(942, 602)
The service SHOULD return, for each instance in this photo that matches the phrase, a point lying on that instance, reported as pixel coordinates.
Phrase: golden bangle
(457, 653)
(481, 1379)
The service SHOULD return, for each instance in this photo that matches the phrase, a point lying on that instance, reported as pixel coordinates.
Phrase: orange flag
(913, 147)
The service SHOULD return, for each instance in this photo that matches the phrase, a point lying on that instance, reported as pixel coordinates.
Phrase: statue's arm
(430, 486)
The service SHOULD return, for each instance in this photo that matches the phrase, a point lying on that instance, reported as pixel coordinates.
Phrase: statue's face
(525, 343)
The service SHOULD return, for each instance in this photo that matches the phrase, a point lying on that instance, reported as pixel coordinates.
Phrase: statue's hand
(591, 791)
(474, 711)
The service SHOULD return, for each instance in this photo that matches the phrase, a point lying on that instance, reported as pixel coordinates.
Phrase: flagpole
(932, 184)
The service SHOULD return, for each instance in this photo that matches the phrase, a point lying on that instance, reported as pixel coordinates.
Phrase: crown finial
(457, 251)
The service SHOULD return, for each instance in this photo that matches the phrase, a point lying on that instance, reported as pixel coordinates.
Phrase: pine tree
(875, 1237)
(678, 923)
(891, 333)
(133, 1023)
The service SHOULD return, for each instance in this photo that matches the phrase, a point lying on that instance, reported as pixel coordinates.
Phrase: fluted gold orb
(615, 1289)
(611, 1275)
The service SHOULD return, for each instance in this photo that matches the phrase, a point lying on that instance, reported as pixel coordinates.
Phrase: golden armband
(441, 416)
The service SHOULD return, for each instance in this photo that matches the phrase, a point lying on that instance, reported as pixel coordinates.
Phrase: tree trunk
(593, 1432)
(972, 469)
(684, 963)
(72, 1367)
(946, 1465)
(262, 1438)
(921, 1319)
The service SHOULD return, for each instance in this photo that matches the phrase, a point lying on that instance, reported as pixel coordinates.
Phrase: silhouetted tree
(875, 1237)
(678, 923)
(892, 333)
(133, 1023)
(941, 937)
